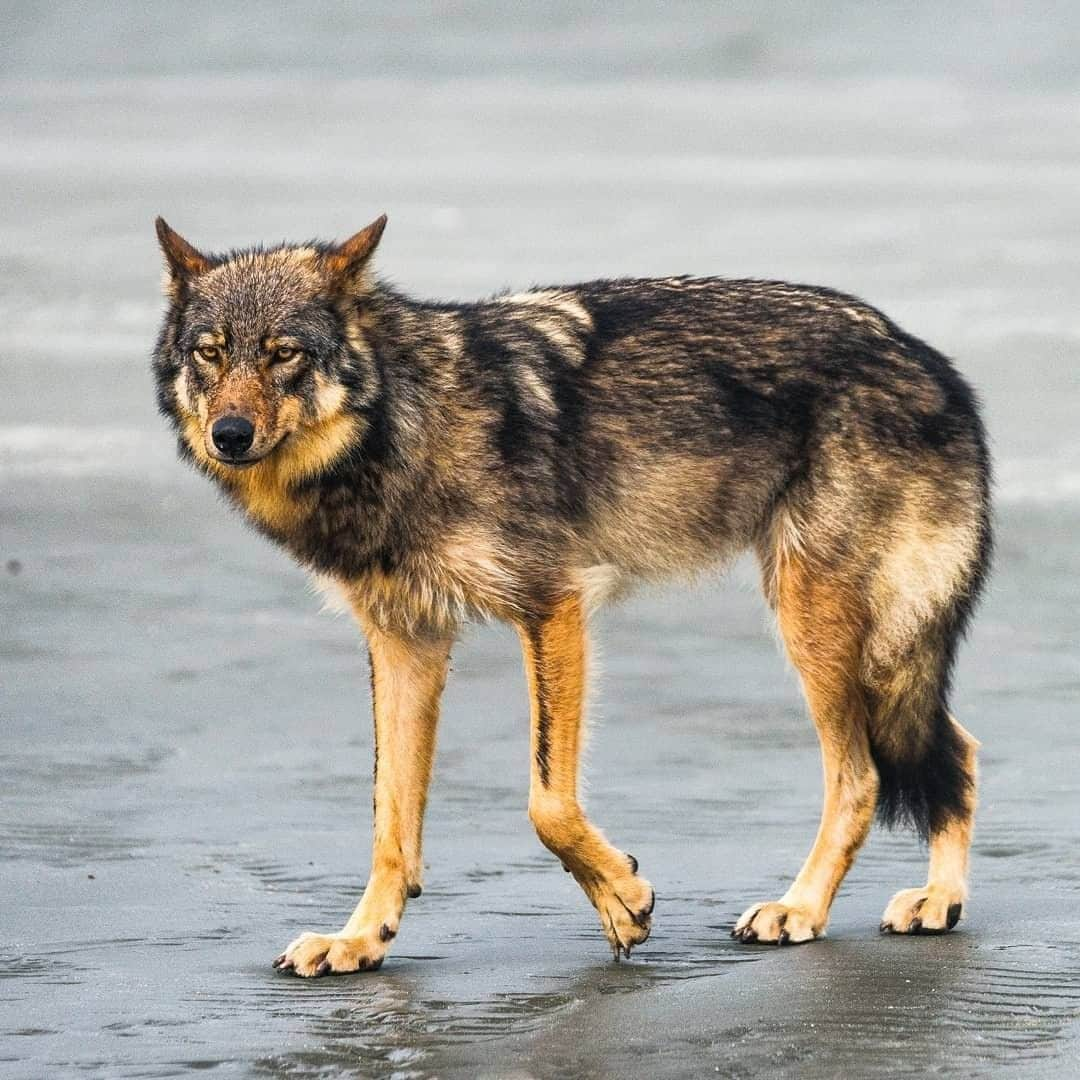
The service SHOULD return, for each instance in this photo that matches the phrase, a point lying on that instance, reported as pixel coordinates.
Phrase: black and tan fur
(527, 457)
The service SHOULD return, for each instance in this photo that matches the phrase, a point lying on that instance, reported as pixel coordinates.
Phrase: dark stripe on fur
(543, 729)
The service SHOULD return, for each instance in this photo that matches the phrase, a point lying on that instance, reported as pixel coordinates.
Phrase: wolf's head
(261, 362)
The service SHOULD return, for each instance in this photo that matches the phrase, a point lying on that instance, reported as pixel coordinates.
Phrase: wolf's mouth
(238, 463)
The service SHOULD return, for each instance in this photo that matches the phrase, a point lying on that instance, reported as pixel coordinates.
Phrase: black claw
(566, 868)
(915, 927)
(279, 961)
(385, 933)
(784, 938)
(323, 968)
(289, 965)
(885, 928)
(633, 863)
(952, 917)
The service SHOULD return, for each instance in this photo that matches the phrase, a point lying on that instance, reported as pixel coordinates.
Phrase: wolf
(530, 456)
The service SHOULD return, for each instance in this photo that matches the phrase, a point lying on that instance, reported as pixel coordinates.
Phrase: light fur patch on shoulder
(556, 314)
(535, 389)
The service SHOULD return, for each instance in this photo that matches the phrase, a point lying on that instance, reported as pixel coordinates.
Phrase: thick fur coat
(529, 456)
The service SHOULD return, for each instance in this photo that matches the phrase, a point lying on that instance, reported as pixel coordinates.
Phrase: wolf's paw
(311, 955)
(779, 924)
(625, 905)
(929, 910)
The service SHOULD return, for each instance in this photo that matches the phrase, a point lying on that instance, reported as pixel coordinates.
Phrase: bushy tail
(923, 757)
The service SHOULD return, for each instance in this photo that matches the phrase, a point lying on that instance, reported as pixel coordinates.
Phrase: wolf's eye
(210, 353)
(284, 354)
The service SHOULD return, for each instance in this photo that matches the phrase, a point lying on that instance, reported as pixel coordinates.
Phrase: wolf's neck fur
(382, 475)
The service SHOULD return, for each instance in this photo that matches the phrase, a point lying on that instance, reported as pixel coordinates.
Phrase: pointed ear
(346, 261)
(183, 260)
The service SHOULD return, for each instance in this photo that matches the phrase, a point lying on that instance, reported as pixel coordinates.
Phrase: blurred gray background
(184, 739)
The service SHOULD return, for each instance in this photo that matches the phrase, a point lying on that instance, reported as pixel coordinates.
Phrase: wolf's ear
(345, 262)
(183, 260)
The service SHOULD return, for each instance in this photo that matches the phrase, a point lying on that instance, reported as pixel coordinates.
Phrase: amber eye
(210, 353)
(283, 354)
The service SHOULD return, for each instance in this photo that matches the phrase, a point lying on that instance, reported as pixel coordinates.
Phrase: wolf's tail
(922, 755)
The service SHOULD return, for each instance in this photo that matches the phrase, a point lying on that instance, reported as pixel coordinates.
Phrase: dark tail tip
(926, 791)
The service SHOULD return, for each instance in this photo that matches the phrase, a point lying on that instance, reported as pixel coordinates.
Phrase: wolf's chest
(463, 577)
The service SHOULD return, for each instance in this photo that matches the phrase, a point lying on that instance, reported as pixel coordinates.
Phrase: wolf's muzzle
(233, 435)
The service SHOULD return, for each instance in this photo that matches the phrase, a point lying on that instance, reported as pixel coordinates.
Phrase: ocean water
(185, 745)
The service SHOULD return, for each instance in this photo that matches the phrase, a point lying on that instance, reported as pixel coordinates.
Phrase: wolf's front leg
(554, 648)
(407, 678)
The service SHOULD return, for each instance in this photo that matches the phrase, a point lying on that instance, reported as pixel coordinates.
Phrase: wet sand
(186, 749)
(187, 785)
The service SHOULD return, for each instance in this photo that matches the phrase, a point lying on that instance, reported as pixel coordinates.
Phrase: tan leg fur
(407, 676)
(821, 624)
(555, 660)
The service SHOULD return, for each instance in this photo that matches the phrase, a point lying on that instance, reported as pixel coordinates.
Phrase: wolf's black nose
(233, 435)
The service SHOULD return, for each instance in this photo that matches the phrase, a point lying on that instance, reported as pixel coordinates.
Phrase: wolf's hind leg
(822, 623)
(938, 905)
(554, 648)
(407, 678)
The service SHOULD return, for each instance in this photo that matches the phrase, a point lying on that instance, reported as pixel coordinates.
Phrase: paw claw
(933, 909)
(625, 906)
(777, 923)
(633, 863)
(313, 955)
